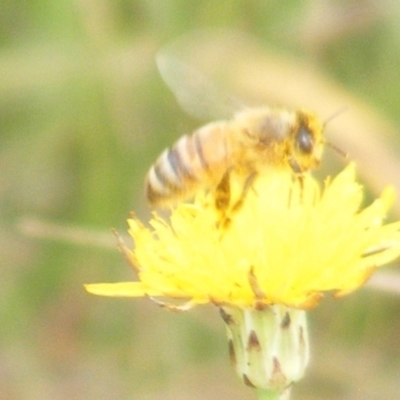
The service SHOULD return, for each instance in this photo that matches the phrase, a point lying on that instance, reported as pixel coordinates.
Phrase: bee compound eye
(305, 140)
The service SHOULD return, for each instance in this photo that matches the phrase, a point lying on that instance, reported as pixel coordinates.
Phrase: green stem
(272, 395)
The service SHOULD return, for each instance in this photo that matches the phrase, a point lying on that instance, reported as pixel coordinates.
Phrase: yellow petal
(295, 240)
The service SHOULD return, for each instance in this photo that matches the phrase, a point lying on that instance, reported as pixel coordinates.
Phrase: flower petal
(294, 239)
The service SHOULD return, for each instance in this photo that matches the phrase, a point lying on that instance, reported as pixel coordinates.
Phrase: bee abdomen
(187, 165)
(172, 173)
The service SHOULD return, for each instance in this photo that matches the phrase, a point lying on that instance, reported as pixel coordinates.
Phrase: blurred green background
(84, 113)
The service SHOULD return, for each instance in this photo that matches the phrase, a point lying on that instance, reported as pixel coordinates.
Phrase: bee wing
(196, 94)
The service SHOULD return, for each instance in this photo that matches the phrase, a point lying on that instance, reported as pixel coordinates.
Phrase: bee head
(307, 142)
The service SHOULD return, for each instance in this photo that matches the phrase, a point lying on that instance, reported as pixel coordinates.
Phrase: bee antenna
(339, 111)
(341, 153)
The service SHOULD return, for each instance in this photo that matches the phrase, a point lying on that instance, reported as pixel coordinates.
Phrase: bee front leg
(295, 166)
(299, 175)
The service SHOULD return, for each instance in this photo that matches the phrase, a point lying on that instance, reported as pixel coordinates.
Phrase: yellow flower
(290, 242)
(263, 264)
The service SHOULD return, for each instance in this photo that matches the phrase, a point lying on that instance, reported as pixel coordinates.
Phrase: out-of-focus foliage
(83, 113)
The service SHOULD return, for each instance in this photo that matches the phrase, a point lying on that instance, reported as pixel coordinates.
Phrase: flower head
(290, 242)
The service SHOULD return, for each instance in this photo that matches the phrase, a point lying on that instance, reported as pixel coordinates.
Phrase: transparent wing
(194, 91)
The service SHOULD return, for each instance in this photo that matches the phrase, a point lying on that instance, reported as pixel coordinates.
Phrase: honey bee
(252, 141)
(246, 145)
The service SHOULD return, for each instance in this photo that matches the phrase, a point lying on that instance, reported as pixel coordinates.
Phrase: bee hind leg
(246, 187)
(223, 198)
(223, 192)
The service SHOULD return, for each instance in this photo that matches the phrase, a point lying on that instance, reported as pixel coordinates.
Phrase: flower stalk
(263, 394)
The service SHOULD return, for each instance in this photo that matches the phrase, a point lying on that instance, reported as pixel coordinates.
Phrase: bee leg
(299, 175)
(295, 166)
(300, 179)
(246, 187)
(223, 193)
(223, 198)
(293, 195)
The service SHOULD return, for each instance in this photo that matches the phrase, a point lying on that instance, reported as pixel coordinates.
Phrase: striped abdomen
(193, 162)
